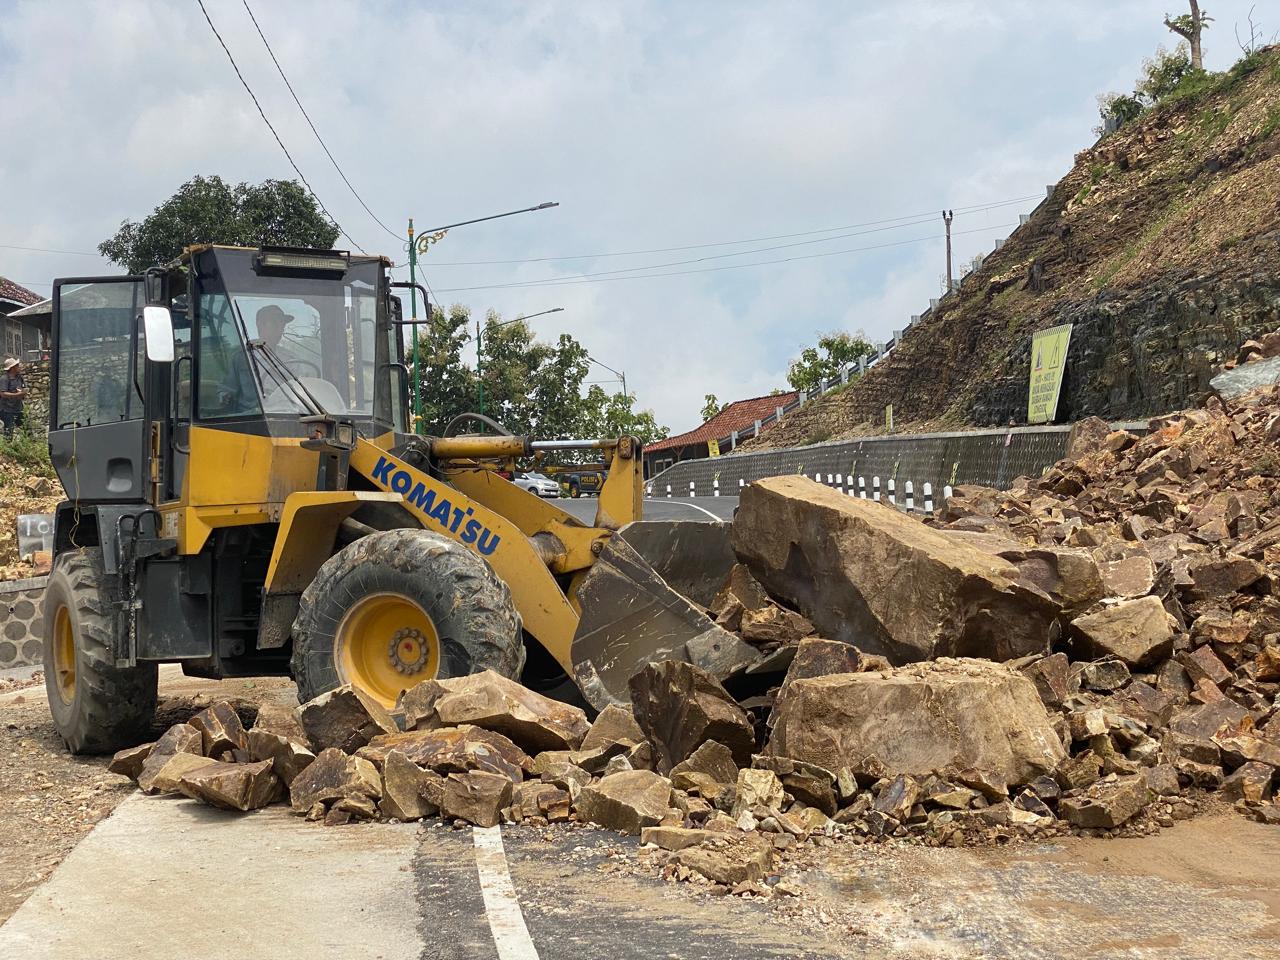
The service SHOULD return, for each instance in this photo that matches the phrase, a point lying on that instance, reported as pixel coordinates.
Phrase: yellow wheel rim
(64, 656)
(386, 644)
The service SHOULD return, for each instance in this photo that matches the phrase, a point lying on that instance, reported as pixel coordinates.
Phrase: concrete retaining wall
(21, 621)
(993, 458)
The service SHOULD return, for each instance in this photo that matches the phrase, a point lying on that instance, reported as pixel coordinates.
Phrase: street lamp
(480, 349)
(618, 373)
(413, 290)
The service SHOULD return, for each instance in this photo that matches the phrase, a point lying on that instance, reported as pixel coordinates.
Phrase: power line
(262, 113)
(747, 253)
(313, 126)
(914, 219)
(73, 253)
(931, 215)
(556, 282)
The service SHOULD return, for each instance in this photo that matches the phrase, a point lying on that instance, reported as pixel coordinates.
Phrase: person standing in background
(13, 391)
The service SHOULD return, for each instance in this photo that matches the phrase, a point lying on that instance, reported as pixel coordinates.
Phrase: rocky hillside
(1160, 246)
(26, 486)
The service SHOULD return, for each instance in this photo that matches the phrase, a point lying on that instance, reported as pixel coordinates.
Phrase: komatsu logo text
(456, 521)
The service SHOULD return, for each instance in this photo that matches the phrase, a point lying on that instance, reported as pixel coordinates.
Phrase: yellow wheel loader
(243, 498)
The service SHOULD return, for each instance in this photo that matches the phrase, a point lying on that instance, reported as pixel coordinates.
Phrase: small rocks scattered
(1090, 652)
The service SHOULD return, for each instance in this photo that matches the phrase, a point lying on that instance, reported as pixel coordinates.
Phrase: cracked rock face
(870, 575)
(345, 717)
(489, 700)
(952, 714)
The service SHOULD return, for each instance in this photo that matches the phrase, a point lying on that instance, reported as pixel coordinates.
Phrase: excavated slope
(1161, 246)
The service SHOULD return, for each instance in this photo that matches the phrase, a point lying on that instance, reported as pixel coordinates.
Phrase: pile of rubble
(22, 492)
(1096, 651)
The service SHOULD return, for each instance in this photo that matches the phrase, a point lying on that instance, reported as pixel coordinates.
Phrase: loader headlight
(302, 261)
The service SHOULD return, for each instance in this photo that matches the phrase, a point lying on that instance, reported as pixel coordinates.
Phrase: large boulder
(345, 717)
(334, 776)
(181, 738)
(491, 701)
(680, 707)
(406, 793)
(614, 731)
(871, 575)
(711, 763)
(730, 860)
(1138, 632)
(628, 801)
(1106, 804)
(1070, 578)
(232, 786)
(129, 761)
(476, 797)
(282, 721)
(816, 657)
(951, 715)
(453, 750)
(164, 772)
(288, 757)
(220, 728)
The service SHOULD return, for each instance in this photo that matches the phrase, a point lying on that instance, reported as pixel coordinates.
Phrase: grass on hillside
(29, 452)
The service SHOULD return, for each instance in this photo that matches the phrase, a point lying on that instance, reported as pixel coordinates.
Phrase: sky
(841, 129)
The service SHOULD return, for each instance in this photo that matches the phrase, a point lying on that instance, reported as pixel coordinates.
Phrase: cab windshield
(270, 344)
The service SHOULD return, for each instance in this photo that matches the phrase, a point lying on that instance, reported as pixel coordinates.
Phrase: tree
(530, 386)
(817, 365)
(1189, 26)
(1162, 73)
(209, 210)
(710, 407)
(447, 384)
(613, 415)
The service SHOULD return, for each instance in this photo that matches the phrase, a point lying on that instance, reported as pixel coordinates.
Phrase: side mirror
(157, 325)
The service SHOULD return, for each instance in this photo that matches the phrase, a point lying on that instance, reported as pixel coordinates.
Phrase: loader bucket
(632, 616)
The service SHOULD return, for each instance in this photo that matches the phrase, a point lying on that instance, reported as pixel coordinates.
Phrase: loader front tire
(96, 706)
(398, 607)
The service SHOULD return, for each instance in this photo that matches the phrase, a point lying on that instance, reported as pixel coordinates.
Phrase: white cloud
(655, 124)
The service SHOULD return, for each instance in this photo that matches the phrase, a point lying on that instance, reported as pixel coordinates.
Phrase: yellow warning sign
(713, 447)
(1048, 360)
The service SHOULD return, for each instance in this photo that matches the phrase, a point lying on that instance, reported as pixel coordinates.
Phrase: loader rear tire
(96, 706)
(403, 590)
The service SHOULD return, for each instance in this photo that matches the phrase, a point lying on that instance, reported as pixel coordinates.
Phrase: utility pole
(413, 318)
(479, 369)
(621, 375)
(418, 249)
(946, 219)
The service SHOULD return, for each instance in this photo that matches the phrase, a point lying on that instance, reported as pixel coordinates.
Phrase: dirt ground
(50, 799)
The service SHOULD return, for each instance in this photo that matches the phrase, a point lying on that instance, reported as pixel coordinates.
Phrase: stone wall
(36, 409)
(21, 622)
(1141, 353)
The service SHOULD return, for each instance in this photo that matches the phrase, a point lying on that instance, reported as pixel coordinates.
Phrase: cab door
(97, 406)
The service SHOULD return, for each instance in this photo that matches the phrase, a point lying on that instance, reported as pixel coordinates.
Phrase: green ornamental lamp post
(419, 248)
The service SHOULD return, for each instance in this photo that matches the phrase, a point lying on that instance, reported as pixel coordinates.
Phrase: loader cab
(262, 339)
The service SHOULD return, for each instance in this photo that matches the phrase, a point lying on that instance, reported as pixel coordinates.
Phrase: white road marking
(506, 921)
(692, 506)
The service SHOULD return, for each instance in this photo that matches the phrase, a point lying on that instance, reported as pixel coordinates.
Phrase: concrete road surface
(695, 508)
(166, 877)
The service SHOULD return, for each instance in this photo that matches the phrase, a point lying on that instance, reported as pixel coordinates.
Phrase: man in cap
(240, 395)
(271, 321)
(13, 391)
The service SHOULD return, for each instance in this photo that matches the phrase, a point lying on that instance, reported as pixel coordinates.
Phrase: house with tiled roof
(720, 434)
(19, 335)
